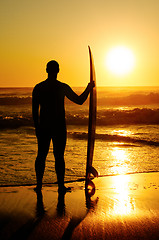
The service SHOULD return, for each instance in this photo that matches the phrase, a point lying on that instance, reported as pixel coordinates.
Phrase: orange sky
(34, 32)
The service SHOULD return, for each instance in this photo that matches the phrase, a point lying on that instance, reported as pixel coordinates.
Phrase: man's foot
(64, 190)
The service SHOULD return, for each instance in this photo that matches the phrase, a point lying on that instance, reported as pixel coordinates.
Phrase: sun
(120, 60)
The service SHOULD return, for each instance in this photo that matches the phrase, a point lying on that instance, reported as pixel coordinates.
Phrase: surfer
(48, 97)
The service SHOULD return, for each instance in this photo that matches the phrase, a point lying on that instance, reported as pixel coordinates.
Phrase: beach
(123, 207)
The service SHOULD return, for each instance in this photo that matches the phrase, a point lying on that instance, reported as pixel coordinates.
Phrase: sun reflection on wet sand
(124, 203)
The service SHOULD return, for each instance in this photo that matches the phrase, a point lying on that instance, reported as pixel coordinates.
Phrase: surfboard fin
(93, 171)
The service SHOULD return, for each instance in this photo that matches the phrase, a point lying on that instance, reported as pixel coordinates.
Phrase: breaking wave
(106, 100)
(15, 122)
(104, 118)
(115, 138)
(134, 116)
(132, 99)
(15, 100)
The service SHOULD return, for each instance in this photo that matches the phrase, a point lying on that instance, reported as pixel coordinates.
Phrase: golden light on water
(119, 163)
(119, 154)
(121, 132)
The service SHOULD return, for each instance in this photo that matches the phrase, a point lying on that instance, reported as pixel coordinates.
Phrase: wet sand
(123, 207)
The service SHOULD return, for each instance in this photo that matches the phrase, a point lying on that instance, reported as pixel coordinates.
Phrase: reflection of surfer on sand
(50, 121)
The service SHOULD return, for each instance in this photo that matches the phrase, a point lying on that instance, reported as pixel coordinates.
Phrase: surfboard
(89, 185)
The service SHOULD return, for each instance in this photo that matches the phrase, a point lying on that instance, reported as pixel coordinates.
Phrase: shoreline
(74, 181)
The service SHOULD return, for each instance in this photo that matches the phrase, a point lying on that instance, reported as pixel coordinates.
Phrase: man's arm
(79, 99)
(35, 109)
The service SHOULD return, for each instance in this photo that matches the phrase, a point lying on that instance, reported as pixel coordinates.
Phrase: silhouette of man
(49, 122)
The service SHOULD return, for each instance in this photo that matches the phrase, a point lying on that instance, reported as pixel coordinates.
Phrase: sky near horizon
(34, 32)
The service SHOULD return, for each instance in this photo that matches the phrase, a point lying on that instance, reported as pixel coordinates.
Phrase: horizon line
(84, 86)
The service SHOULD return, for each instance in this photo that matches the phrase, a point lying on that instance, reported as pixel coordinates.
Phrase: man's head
(52, 67)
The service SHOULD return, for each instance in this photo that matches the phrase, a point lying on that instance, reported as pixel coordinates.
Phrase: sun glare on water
(120, 60)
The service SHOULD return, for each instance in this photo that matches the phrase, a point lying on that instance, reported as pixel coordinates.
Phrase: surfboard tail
(92, 170)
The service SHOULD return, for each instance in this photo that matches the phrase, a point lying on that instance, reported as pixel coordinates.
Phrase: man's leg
(43, 148)
(59, 143)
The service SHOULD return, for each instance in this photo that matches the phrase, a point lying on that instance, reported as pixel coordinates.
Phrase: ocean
(127, 135)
